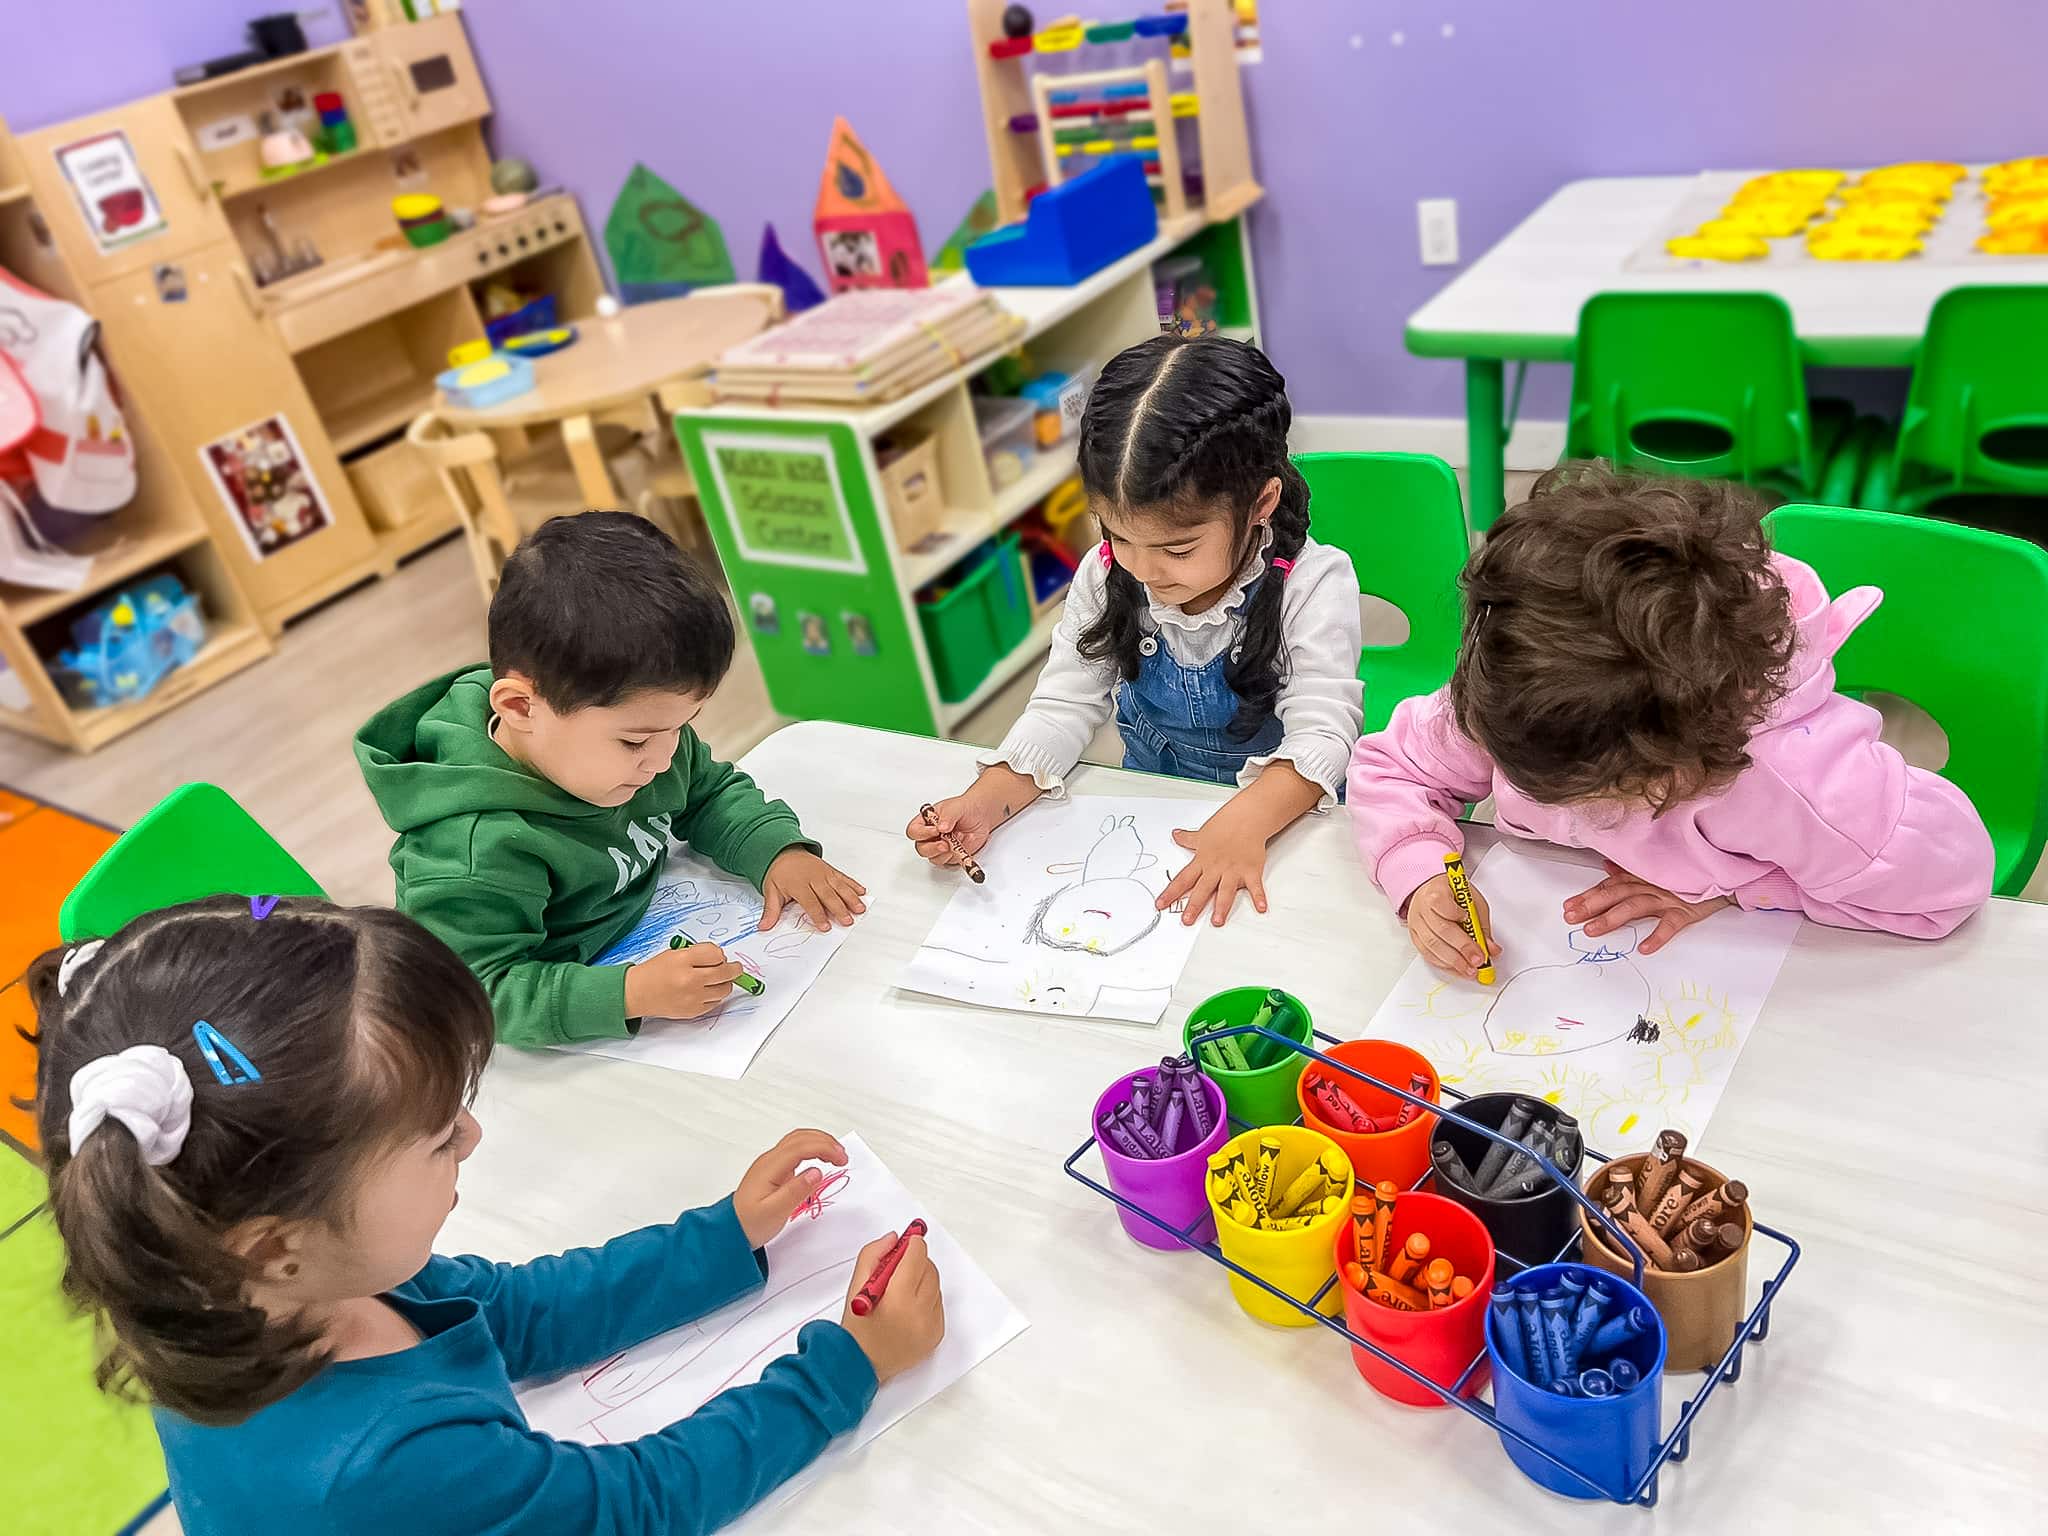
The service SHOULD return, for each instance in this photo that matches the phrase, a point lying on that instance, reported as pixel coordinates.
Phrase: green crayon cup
(1257, 1082)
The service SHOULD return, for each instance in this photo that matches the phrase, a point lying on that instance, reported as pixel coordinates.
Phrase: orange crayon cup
(1401, 1152)
(1435, 1339)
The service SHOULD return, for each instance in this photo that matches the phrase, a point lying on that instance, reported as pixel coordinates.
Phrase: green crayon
(753, 986)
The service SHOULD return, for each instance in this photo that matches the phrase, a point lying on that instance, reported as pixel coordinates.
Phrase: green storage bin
(981, 620)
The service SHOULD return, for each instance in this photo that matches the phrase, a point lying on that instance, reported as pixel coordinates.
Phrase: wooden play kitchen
(297, 311)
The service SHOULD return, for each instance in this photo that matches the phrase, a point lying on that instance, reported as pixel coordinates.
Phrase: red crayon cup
(1439, 1342)
(1401, 1153)
(869, 1296)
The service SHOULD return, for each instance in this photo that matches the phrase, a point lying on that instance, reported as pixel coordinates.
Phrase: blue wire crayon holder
(1557, 1443)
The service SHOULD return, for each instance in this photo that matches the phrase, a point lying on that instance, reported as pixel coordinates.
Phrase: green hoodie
(526, 882)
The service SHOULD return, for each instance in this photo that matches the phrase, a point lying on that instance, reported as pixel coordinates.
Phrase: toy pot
(1440, 1342)
(1298, 1262)
(1264, 1095)
(1401, 1154)
(1171, 1188)
(1701, 1308)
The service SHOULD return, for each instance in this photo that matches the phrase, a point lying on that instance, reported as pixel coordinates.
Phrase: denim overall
(1174, 719)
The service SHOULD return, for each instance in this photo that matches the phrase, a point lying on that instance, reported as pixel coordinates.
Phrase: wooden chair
(467, 464)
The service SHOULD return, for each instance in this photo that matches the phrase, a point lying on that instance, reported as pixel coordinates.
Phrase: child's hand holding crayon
(772, 1190)
(1436, 922)
(963, 824)
(908, 1319)
(680, 983)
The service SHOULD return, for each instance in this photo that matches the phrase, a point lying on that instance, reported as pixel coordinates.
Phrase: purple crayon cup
(1172, 1187)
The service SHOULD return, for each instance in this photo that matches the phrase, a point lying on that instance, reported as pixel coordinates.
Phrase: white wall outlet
(1437, 218)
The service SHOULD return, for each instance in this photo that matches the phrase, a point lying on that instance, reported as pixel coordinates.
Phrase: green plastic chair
(194, 842)
(1702, 384)
(1400, 519)
(1963, 633)
(1977, 410)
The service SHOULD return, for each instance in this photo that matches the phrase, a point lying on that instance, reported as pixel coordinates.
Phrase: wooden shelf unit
(344, 354)
(161, 528)
(1069, 329)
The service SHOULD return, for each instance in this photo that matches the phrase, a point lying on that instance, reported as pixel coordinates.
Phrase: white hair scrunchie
(73, 962)
(144, 1087)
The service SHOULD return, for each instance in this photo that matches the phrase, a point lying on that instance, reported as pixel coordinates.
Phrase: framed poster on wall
(263, 480)
(114, 197)
(785, 500)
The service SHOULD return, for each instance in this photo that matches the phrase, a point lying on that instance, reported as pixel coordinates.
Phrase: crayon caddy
(1551, 1451)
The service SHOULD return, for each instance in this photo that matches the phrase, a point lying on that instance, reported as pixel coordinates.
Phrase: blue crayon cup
(1609, 1440)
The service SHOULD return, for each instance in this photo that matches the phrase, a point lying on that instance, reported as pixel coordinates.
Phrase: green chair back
(1701, 384)
(194, 842)
(1977, 410)
(1400, 519)
(1963, 633)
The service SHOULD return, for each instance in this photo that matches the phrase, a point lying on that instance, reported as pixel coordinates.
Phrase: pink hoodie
(1826, 819)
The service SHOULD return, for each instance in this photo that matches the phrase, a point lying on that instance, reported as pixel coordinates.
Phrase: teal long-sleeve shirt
(431, 1439)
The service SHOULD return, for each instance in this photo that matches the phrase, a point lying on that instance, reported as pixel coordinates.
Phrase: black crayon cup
(1530, 1228)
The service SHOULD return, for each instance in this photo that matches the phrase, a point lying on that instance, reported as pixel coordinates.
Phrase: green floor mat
(78, 1463)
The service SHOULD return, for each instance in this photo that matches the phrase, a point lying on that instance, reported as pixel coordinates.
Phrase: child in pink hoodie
(1641, 676)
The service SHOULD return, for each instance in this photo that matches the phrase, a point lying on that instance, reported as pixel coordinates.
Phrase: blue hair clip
(261, 907)
(214, 1045)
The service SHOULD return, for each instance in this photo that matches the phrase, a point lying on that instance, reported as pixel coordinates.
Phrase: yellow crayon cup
(1401, 1154)
(1264, 1095)
(1297, 1261)
(1701, 1308)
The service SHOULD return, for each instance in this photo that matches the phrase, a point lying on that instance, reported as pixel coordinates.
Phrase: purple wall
(732, 102)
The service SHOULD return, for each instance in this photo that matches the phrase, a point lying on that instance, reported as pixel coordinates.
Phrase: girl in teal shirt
(253, 1128)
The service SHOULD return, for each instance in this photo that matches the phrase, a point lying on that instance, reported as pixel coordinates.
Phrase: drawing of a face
(1553, 1009)
(1108, 909)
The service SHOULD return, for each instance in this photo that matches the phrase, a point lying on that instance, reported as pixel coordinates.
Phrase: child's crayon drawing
(642, 1390)
(712, 907)
(1629, 1043)
(1068, 920)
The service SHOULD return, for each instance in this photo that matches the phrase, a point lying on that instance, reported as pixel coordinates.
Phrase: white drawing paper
(696, 897)
(1067, 920)
(810, 1265)
(1629, 1043)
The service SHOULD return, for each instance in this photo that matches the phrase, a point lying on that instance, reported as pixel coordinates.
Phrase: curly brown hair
(366, 1029)
(1623, 637)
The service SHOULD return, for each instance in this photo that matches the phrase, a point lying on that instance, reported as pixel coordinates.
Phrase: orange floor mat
(44, 850)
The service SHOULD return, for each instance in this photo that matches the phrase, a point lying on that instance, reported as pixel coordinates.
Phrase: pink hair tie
(1283, 567)
(1107, 559)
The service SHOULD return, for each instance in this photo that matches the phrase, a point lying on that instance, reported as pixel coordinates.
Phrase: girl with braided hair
(1221, 637)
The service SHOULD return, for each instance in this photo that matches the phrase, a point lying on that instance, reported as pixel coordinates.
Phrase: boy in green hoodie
(533, 798)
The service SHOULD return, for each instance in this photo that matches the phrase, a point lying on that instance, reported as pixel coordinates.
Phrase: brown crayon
(1703, 1235)
(1727, 1237)
(1436, 1282)
(1677, 1196)
(1621, 1186)
(1404, 1265)
(1655, 1249)
(1660, 1166)
(1721, 1204)
(1683, 1260)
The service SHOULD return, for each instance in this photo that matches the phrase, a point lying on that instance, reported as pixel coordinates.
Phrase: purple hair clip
(261, 907)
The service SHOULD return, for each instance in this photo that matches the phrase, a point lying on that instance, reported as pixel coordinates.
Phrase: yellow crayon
(1454, 869)
(1262, 1181)
(1304, 1188)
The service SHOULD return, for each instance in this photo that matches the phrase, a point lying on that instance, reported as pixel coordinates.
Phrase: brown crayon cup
(1702, 1308)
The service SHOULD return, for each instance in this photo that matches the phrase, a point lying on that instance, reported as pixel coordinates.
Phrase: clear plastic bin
(1006, 437)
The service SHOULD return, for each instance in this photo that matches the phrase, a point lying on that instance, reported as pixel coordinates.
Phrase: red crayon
(869, 1296)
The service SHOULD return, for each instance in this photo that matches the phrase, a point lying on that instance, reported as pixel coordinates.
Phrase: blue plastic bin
(1076, 228)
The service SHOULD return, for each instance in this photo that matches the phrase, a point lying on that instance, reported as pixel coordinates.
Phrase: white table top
(1891, 1394)
(1522, 298)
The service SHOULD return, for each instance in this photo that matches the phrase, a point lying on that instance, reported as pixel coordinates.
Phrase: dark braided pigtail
(1180, 427)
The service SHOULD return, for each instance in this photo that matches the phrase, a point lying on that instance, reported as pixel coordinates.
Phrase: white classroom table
(1520, 302)
(1887, 1113)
